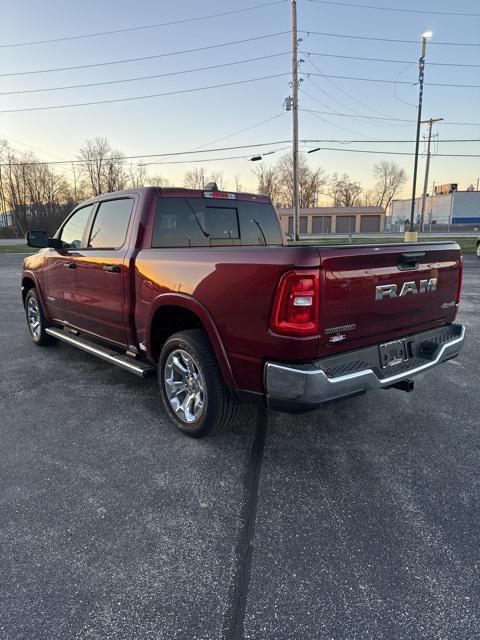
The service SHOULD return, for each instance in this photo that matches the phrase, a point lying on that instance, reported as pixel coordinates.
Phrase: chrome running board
(142, 369)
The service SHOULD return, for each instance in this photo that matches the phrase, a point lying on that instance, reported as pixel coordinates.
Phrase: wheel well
(27, 284)
(167, 321)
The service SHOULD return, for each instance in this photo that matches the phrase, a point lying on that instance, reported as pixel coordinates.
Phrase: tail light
(460, 279)
(295, 309)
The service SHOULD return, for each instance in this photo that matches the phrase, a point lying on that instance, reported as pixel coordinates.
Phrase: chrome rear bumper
(313, 384)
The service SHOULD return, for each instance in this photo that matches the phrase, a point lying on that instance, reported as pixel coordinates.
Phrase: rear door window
(110, 226)
(198, 222)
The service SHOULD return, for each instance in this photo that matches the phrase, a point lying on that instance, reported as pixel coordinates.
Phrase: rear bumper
(307, 386)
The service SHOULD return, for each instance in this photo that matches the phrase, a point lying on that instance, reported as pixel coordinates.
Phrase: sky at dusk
(201, 118)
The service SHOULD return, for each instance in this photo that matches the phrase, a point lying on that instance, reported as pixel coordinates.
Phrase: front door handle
(69, 265)
(112, 268)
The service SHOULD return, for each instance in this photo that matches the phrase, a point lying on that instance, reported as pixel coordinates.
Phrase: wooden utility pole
(296, 193)
(427, 168)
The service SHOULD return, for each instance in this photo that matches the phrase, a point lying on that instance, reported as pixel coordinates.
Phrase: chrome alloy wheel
(185, 385)
(33, 317)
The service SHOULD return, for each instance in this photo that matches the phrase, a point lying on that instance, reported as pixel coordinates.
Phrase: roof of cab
(179, 192)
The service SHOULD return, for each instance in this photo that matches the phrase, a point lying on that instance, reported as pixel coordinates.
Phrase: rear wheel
(478, 249)
(191, 385)
(37, 322)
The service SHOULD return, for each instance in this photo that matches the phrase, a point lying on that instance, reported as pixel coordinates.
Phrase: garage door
(321, 224)
(370, 223)
(345, 224)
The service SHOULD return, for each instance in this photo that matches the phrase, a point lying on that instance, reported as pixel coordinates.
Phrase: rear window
(199, 222)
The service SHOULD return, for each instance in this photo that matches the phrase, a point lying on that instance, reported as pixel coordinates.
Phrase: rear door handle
(112, 268)
(69, 265)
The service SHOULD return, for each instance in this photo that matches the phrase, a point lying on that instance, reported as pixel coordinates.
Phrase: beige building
(319, 220)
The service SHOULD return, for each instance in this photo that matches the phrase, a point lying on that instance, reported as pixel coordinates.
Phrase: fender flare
(31, 276)
(196, 307)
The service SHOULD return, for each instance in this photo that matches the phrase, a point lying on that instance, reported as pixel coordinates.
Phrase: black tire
(219, 407)
(39, 337)
(478, 249)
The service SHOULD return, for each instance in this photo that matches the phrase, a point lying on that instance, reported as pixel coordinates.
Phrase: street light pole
(427, 168)
(296, 195)
(411, 235)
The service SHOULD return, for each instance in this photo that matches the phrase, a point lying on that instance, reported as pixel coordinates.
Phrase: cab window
(109, 228)
(73, 230)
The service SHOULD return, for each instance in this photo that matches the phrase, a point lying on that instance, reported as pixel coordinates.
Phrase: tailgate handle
(410, 260)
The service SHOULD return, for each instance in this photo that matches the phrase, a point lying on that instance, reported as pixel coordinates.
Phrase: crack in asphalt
(236, 609)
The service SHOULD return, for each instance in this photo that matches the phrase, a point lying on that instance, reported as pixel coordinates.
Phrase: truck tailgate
(370, 294)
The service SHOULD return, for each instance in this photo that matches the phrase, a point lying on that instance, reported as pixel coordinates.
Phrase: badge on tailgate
(392, 353)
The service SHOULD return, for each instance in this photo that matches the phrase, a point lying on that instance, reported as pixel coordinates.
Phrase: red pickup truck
(202, 287)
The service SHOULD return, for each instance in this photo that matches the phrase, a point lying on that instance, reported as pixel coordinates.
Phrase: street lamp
(411, 235)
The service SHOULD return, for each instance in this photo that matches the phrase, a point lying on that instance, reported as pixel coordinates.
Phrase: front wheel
(478, 250)
(37, 322)
(191, 385)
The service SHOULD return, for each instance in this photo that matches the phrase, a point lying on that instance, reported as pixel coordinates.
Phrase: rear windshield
(201, 222)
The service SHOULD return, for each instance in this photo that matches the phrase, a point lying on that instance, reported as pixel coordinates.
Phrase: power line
(352, 97)
(382, 80)
(235, 133)
(390, 119)
(344, 35)
(138, 78)
(250, 146)
(143, 27)
(144, 97)
(429, 64)
(142, 58)
(395, 153)
(378, 8)
(29, 146)
(158, 155)
(210, 159)
(447, 140)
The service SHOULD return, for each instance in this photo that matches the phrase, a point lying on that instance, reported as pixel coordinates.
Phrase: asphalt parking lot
(360, 521)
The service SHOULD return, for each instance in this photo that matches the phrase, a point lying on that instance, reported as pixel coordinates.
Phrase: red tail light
(460, 279)
(295, 309)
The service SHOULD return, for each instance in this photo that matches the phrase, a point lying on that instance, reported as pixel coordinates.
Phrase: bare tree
(310, 181)
(137, 175)
(267, 181)
(389, 177)
(102, 166)
(36, 195)
(197, 178)
(343, 191)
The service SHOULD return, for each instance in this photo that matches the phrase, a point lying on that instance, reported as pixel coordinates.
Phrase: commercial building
(441, 209)
(318, 220)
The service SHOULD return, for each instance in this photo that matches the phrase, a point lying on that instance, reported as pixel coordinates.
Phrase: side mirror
(40, 240)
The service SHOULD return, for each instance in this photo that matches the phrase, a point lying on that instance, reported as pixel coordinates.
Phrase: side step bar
(142, 369)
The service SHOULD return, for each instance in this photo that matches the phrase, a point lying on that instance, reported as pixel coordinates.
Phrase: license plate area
(392, 353)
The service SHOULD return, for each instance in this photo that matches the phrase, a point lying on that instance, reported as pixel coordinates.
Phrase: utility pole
(427, 168)
(411, 235)
(296, 194)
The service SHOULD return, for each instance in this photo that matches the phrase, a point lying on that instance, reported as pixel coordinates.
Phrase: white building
(457, 207)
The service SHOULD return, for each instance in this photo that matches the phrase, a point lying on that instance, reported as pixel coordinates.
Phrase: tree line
(40, 196)
(276, 181)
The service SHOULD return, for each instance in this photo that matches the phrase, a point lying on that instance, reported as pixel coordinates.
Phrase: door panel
(59, 284)
(101, 273)
(59, 265)
(99, 301)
